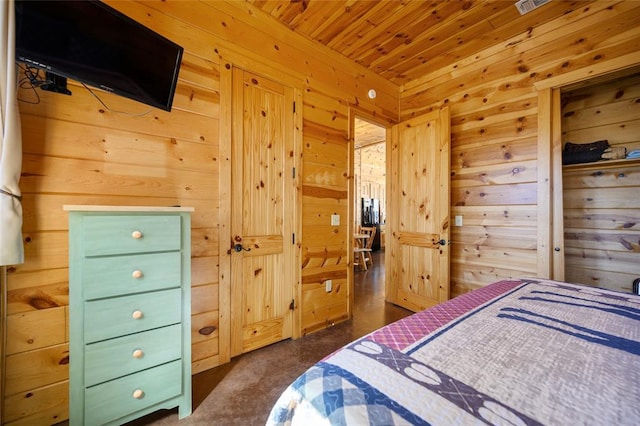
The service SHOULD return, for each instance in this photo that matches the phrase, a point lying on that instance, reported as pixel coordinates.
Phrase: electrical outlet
(458, 221)
(335, 220)
(328, 285)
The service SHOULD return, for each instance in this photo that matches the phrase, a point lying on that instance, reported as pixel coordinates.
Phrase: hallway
(243, 391)
(370, 311)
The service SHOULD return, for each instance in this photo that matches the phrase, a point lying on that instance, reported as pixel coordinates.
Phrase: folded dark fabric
(576, 153)
(582, 157)
(581, 147)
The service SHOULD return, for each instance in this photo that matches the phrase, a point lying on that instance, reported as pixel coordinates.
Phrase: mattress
(517, 352)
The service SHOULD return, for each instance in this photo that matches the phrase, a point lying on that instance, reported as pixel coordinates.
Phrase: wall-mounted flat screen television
(93, 43)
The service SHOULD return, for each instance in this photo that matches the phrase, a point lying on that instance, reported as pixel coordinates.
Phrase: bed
(517, 352)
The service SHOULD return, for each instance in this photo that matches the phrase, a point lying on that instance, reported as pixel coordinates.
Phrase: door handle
(441, 242)
(239, 247)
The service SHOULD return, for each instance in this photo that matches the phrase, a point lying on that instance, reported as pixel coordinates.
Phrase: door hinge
(293, 238)
(293, 173)
(294, 107)
(292, 305)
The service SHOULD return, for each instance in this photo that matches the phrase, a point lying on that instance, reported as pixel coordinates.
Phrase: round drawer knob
(137, 274)
(138, 353)
(136, 314)
(136, 235)
(138, 393)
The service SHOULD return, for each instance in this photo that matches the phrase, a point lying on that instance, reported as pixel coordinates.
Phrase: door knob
(238, 248)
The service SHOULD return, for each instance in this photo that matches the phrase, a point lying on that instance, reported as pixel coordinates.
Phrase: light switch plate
(335, 220)
(328, 285)
(458, 221)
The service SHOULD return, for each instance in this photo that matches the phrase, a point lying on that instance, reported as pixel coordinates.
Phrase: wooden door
(263, 212)
(418, 238)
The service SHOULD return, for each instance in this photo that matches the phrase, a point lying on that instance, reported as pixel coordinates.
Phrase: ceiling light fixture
(372, 93)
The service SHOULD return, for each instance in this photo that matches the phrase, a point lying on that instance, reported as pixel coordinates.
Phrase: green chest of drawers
(129, 312)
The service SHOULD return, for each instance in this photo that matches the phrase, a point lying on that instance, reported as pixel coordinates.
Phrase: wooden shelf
(604, 164)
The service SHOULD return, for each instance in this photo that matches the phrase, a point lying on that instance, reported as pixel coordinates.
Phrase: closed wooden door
(418, 241)
(263, 213)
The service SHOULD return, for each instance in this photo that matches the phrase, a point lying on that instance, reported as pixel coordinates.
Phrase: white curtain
(11, 249)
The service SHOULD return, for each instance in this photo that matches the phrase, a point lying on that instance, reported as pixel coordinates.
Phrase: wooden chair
(362, 249)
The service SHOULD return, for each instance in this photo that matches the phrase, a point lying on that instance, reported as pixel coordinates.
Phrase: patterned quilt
(525, 352)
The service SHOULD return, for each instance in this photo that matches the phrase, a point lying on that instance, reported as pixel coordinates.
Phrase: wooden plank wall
(604, 111)
(325, 191)
(78, 152)
(494, 114)
(601, 204)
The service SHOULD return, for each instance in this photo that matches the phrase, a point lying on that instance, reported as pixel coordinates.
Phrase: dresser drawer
(107, 235)
(115, 399)
(118, 316)
(118, 275)
(118, 357)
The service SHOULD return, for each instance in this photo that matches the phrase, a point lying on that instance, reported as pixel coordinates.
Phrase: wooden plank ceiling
(404, 40)
(366, 133)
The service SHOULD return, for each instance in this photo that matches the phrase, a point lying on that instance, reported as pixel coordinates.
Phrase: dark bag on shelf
(576, 153)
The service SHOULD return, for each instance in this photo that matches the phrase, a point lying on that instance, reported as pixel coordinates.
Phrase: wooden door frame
(356, 112)
(224, 215)
(550, 249)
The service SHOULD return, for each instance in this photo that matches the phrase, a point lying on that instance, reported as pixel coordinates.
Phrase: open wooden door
(418, 238)
(263, 212)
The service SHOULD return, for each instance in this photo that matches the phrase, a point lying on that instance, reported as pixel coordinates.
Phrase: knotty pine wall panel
(37, 386)
(626, 135)
(43, 406)
(325, 191)
(494, 114)
(605, 111)
(323, 309)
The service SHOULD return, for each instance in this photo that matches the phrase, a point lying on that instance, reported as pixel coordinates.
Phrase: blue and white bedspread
(543, 352)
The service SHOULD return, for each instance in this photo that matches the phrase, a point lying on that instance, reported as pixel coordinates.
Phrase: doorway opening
(599, 210)
(369, 203)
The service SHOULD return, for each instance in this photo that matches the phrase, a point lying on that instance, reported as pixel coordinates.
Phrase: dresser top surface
(96, 208)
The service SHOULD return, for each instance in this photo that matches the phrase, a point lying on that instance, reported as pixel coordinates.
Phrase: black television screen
(95, 44)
